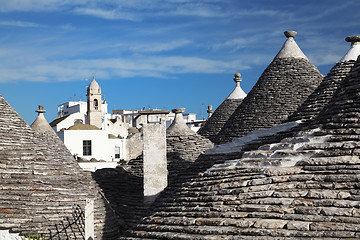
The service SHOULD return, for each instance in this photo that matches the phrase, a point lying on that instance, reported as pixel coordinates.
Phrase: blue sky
(157, 53)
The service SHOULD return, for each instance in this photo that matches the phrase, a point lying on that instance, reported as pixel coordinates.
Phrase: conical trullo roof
(217, 120)
(312, 195)
(40, 124)
(316, 101)
(183, 145)
(281, 89)
(41, 184)
(324, 92)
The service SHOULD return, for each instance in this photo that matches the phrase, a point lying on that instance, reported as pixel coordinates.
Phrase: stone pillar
(154, 153)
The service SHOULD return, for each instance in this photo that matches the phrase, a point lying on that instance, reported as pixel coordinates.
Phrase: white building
(89, 132)
(99, 139)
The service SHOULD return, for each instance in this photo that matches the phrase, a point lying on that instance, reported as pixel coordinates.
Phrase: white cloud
(39, 5)
(153, 47)
(139, 66)
(13, 23)
(133, 10)
(106, 14)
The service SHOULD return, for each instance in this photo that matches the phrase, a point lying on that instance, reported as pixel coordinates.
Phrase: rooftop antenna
(201, 112)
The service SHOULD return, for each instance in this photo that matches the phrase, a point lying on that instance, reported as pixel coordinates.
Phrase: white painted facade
(102, 147)
(79, 108)
(71, 107)
(69, 121)
(104, 139)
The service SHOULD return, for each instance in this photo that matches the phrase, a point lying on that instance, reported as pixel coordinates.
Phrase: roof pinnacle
(210, 111)
(290, 49)
(353, 39)
(238, 93)
(40, 124)
(41, 109)
(237, 78)
(178, 110)
(290, 34)
(354, 50)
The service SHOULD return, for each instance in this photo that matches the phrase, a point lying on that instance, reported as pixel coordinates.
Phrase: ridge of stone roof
(281, 89)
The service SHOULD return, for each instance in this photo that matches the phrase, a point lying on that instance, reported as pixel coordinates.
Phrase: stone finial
(354, 50)
(41, 109)
(290, 49)
(353, 39)
(237, 77)
(238, 93)
(290, 34)
(210, 111)
(178, 126)
(40, 124)
(178, 110)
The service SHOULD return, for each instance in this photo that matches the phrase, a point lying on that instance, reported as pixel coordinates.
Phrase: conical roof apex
(354, 50)
(290, 48)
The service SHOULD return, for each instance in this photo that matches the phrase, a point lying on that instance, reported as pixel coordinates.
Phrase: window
(87, 147)
(117, 152)
(96, 104)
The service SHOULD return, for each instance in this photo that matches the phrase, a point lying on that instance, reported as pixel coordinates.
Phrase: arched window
(96, 104)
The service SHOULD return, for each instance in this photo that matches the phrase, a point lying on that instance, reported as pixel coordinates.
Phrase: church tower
(94, 115)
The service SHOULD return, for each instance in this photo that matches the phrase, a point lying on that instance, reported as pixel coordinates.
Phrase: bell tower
(94, 114)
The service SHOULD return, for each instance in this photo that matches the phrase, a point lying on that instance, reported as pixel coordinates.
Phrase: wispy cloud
(153, 47)
(13, 23)
(106, 14)
(68, 27)
(139, 66)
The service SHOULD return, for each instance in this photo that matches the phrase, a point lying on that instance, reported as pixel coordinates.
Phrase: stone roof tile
(183, 145)
(217, 120)
(41, 182)
(280, 90)
(306, 186)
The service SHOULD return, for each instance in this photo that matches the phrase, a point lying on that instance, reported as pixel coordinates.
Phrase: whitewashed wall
(103, 148)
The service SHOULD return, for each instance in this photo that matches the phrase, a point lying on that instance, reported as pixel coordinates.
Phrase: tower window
(87, 147)
(96, 104)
